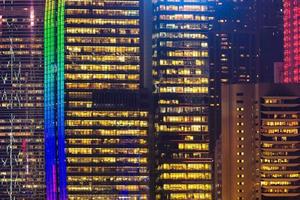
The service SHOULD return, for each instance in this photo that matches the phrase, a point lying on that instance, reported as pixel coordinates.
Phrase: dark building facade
(270, 30)
(21, 100)
(94, 118)
(235, 42)
(181, 84)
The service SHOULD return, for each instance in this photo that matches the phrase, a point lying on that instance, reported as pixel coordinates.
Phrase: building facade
(259, 145)
(270, 35)
(235, 42)
(234, 50)
(279, 145)
(96, 130)
(237, 150)
(21, 100)
(181, 83)
(291, 41)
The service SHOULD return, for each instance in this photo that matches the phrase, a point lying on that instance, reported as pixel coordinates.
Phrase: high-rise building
(270, 36)
(96, 126)
(291, 41)
(235, 43)
(247, 40)
(181, 83)
(233, 51)
(259, 145)
(279, 144)
(21, 100)
(237, 151)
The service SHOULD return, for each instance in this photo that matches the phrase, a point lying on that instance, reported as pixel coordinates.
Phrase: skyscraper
(291, 41)
(279, 143)
(260, 142)
(181, 83)
(96, 126)
(235, 42)
(270, 35)
(239, 160)
(234, 51)
(21, 100)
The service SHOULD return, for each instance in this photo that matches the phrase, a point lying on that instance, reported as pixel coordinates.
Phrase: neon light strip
(49, 123)
(54, 95)
(61, 99)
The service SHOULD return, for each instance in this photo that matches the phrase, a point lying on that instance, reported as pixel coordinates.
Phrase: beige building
(259, 149)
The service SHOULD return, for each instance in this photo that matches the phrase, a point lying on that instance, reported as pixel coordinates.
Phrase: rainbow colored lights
(54, 100)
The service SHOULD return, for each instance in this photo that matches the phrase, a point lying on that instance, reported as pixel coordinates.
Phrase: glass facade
(107, 147)
(291, 72)
(235, 55)
(181, 83)
(21, 100)
(96, 125)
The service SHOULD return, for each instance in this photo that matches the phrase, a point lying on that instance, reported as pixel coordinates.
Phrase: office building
(270, 36)
(291, 41)
(181, 84)
(238, 151)
(21, 100)
(279, 143)
(235, 42)
(234, 51)
(95, 123)
(259, 145)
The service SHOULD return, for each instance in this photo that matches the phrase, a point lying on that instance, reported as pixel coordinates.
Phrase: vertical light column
(54, 101)
(49, 101)
(61, 98)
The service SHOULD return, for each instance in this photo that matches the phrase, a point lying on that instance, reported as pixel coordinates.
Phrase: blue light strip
(61, 100)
